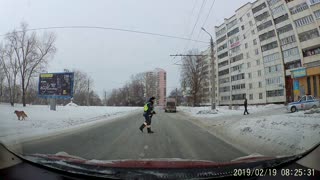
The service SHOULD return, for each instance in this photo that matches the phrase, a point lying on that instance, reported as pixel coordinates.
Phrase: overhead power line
(112, 29)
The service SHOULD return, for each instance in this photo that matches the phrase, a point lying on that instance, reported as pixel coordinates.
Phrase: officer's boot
(141, 127)
(149, 130)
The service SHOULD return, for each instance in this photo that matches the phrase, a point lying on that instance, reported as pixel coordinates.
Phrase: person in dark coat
(245, 106)
(148, 113)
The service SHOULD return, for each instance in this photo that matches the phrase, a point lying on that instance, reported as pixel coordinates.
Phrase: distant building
(269, 52)
(156, 85)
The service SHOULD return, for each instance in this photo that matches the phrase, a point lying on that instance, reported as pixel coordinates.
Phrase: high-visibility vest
(145, 107)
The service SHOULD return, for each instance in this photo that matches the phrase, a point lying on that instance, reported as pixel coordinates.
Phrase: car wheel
(314, 106)
(293, 109)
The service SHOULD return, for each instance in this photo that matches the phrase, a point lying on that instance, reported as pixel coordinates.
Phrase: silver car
(306, 102)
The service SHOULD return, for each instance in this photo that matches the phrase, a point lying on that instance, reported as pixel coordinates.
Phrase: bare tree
(192, 74)
(10, 68)
(31, 52)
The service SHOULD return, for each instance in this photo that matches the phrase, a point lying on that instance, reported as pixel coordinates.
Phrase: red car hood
(146, 163)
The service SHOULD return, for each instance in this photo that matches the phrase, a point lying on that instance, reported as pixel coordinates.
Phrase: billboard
(56, 85)
(299, 73)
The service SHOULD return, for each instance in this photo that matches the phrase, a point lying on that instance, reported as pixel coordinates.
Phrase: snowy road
(174, 137)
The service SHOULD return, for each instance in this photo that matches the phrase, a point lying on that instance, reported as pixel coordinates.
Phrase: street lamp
(213, 93)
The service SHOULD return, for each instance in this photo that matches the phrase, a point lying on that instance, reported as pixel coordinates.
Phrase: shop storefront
(306, 81)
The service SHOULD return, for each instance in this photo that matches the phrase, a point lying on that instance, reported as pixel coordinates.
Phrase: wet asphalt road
(174, 137)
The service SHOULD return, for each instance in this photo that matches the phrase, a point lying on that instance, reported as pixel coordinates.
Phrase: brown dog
(21, 114)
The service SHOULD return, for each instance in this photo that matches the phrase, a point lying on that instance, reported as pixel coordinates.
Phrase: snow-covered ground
(268, 130)
(41, 121)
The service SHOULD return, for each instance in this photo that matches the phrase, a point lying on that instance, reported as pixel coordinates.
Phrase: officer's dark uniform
(148, 112)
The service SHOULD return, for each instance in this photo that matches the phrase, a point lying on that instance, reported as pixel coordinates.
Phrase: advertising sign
(299, 73)
(56, 85)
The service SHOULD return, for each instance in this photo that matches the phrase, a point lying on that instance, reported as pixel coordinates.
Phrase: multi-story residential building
(205, 91)
(263, 46)
(156, 85)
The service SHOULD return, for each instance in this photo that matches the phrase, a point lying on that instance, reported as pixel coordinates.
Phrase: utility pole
(88, 96)
(212, 79)
(177, 95)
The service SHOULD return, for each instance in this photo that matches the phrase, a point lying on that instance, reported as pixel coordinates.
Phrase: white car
(306, 102)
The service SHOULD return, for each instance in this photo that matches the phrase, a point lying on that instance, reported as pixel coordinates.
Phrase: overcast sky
(110, 57)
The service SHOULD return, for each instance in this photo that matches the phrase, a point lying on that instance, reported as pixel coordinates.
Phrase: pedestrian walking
(148, 113)
(245, 106)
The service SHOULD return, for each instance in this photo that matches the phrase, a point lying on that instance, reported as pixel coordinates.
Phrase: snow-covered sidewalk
(41, 121)
(268, 130)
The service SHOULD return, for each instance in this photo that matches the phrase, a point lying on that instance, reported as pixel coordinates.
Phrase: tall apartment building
(269, 52)
(205, 96)
(156, 85)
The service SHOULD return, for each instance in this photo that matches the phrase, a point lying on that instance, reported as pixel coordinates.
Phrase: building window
(238, 96)
(290, 52)
(248, 55)
(237, 67)
(222, 47)
(293, 64)
(223, 63)
(275, 93)
(224, 80)
(256, 51)
(272, 2)
(262, 16)
(223, 72)
(242, 27)
(260, 96)
(252, 31)
(317, 14)
(275, 80)
(269, 46)
(267, 35)
(238, 86)
(288, 40)
(249, 75)
(234, 50)
(250, 85)
(264, 25)
(259, 73)
(273, 69)
(237, 77)
(232, 32)
(233, 40)
(248, 14)
(221, 31)
(281, 19)
(254, 42)
(220, 40)
(250, 22)
(260, 84)
(311, 52)
(271, 57)
(244, 36)
(231, 24)
(258, 62)
(278, 9)
(314, 33)
(251, 96)
(241, 19)
(225, 98)
(236, 58)
(304, 21)
(299, 8)
(224, 89)
(258, 8)
(314, 2)
(285, 29)
(246, 45)
(223, 55)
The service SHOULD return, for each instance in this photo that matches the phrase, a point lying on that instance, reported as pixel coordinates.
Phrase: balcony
(311, 59)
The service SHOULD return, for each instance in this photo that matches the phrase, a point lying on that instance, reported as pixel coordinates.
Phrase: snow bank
(268, 130)
(224, 110)
(42, 121)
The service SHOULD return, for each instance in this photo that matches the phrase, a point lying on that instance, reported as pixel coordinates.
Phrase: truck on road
(170, 105)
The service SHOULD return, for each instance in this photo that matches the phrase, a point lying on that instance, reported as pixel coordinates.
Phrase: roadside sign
(56, 85)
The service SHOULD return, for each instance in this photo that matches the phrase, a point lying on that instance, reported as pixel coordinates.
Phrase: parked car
(306, 102)
(170, 105)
